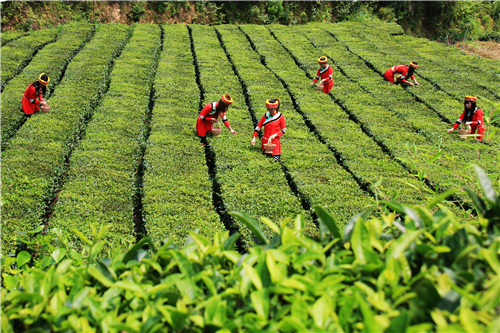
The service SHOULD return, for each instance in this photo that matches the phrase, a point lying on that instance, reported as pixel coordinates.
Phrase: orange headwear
(42, 81)
(274, 105)
(413, 64)
(470, 98)
(322, 60)
(227, 99)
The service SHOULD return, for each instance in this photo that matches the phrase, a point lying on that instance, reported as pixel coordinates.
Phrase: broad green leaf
(99, 276)
(260, 302)
(441, 197)
(327, 220)
(321, 311)
(478, 202)
(252, 225)
(37, 229)
(9, 281)
(399, 323)
(58, 254)
(468, 320)
(273, 226)
(201, 241)
(402, 243)
(82, 237)
(133, 251)
(486, 184)
(491, 258)
(96, 248)
(370, 325)
(233, 256)
(350, 225)
(22, 258)
(128, 285)
(253, 275)
(358, 237)
(215, 313)
(183, 263)
(231, 241)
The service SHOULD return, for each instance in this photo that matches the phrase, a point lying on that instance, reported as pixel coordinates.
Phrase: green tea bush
(36, 159)
(177, 190)
(101, 183)
(417, 272)
(17, 54)
(51, 60)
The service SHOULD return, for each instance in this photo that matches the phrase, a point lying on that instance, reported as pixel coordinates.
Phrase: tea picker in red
(325, 72)
(473, 117)
(274, 127)
(35, 90)
(212, 113)
(401, 73)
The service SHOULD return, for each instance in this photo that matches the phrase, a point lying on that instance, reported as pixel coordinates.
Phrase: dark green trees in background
(443, 20)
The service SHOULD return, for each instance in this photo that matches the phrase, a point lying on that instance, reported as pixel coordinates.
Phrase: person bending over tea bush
(400, 74)
(35, 90)
(212, 113)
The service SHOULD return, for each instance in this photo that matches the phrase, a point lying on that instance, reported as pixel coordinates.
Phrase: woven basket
(465, 132)
(45, 107)
(269, 147)
(216, 129)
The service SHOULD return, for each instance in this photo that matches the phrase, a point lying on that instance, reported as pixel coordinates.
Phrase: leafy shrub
(420, 272)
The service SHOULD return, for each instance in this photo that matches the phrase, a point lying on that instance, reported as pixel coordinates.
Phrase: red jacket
(204, 121)
(403, 70)
(30, 102)
(324, 73)
(272, 125)
(476, 119)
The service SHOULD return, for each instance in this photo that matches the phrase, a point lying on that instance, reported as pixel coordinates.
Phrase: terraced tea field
(119, 145)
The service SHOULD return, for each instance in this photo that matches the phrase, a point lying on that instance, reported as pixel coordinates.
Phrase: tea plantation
(116, 167)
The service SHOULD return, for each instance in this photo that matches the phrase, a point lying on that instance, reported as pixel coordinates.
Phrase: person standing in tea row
(35, 90)
(325, 72)
(211, 113)
(274, 128)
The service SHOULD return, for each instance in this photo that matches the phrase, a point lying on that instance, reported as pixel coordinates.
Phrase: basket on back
(269, 147)
(465, 132)
(216, 129)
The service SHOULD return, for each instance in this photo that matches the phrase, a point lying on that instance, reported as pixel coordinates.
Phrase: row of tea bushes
(51, 60)
(380, 123)
(458, 80)
(177, 190)
(465, 66)
(358, 152)
(423, 120)
(36, 158)
(100, 187)
(312, 166)
(249, 181)
(9, 36)
(374, 51)
(17, 54)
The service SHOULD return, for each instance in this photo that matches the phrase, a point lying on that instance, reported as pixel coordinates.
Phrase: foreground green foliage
(415, 270)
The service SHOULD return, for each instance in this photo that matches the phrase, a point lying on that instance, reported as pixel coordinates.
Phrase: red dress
(476, 119)
(325, 73)
(204, 121)
(30, 102)
(398, 69)
(272, 125)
